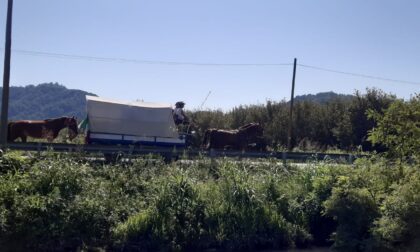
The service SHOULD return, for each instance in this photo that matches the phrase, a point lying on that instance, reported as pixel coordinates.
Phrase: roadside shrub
(37, 203)
(398, 226)
(285, 196)
(239, 217)
(13, 161)
(354, 209)
(175, 221)
(10, 185)
(320, 180)
(60, 204)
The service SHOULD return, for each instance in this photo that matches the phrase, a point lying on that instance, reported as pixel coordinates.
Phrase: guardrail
(169, 153)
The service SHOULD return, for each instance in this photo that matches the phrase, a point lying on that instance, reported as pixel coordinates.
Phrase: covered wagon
(140, 123)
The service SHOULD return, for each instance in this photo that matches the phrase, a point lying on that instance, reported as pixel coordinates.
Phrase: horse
(48, 128)
(252, 130)
(239, 139)
(220, 139)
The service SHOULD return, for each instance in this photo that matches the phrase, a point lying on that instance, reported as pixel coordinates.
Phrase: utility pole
(6, 76)
(289, 138)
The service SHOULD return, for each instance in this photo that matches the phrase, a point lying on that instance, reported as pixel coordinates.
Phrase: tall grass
(59, 202)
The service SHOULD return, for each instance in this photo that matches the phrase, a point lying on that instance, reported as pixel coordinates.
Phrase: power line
(359, 75)
(177, 63)
(137, 61)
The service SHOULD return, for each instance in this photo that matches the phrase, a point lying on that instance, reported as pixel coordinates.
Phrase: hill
(48, 100)
(324, 97)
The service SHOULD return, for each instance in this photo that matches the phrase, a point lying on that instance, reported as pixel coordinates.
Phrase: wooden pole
(289, 138)
(6, 76)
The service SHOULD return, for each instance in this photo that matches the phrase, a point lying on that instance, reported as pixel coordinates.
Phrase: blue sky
(378, 38)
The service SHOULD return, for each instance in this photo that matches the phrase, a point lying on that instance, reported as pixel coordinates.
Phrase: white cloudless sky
(376, 37)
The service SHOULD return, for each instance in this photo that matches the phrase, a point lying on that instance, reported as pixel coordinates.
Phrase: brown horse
(48, 128)
(238, 139)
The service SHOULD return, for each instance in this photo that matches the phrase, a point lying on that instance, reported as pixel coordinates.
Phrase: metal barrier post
(212, 155)
(351, 159)
(284, 157)
(38, 148)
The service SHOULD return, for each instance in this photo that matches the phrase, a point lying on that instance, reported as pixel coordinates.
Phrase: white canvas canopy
(130, 118)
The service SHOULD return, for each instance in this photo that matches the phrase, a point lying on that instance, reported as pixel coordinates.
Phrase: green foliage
(62, 202)
(39, 198)
(399, 223)
(175, 220)
(13, 161)
(373, 100)
(321, 180)
(398, 128)
(240, 217)
(362, 204)
(354, 209)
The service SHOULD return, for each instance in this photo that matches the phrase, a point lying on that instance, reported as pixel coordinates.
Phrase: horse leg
(206, 140)
(23, 137)
(11, 138)
(51, 137)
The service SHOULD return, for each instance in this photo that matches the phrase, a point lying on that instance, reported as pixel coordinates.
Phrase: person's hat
(180, 104)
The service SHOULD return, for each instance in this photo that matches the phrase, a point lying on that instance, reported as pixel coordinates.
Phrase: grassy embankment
(66, 203)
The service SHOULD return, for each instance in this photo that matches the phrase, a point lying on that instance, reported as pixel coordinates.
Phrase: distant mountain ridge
(47, 100)
(323, 97)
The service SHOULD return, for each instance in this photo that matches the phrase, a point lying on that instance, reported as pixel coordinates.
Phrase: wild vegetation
(58, 202)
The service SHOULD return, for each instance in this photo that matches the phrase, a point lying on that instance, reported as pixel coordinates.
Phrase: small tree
(398, 128)
(375, 100)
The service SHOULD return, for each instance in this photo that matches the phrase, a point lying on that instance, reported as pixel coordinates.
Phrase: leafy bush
(60, 202)
(174, 221)
(240, 217)
(355, 210)
(356, 199)
(398, 128)
(321, 179)
(399, 223)
(13, 161)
